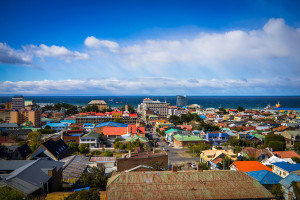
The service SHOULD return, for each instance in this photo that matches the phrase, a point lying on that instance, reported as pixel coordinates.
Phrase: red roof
(116, 112)
(133, 129)
(218, 160)
(100, 114)
(107, 130)
(187, 127)
(133, 115)
(249, 166)
(286, 154)
(108, 113)
(82, 113)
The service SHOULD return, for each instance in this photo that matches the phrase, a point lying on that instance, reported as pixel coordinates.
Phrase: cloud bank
(149, 85)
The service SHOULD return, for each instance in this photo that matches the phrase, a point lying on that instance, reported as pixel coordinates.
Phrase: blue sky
(150, 47)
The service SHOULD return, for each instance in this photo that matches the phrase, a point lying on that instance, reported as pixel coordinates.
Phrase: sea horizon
(248, 102)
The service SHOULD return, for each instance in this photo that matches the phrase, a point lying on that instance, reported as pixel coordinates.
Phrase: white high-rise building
(158, 107)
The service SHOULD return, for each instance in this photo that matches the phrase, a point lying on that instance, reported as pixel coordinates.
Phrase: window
(283, 173)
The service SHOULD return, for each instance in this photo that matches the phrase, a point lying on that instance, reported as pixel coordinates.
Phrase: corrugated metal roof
(287, 181)
(265, 177)
(185, 185)
(103, 159)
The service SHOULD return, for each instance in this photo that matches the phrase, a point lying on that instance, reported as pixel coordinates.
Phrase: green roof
(171, 130)
(92, 134)
(259, 136)
(153, 116)
(131, 139)
(188, 138)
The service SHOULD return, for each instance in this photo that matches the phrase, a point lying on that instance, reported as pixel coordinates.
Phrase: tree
(118, 120)
(35, 139)
(277, 192)
(297, 146)
(148, 147)
(7, 193)
(95, 178)
(175, 119)
(84, 149)
(240, 108)
(92, 194)
(129, 146)
(108, 154)
(137, 143)
(47, 127)
(277, 142)
(222, 110)
(296, 159)
(73, 147)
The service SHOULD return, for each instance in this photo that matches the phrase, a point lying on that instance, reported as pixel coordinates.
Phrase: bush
(297, 146)
(108, 154)
(277, 138)
(92, 194)
(296, 159)
(276, 145)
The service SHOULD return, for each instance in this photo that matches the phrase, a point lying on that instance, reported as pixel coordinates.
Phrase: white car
(194, 165)
(170, 145)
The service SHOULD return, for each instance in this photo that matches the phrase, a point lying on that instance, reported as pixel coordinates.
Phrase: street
(176, 156)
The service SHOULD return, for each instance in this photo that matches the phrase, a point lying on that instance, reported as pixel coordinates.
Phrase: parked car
(194, 165)
(189, 164)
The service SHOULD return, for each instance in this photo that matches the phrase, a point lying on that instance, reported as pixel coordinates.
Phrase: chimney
(174, 168)
(199, 168)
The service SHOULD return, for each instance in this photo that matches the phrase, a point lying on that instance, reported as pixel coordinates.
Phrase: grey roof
(8, 125)
(28, 178)
(18, 132)
(74, 166)
(13, 164)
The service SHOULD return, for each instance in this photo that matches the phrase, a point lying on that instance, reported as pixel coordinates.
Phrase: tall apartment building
(17, 102)
(21, 116)
(159, 108)
(181, 101)
(101, 104)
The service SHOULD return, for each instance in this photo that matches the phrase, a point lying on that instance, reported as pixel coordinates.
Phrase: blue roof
(265, 177)
(71, 121)
(287, 166)
(202, 116)
(88, 124)
(287, 181)
(86, 188)
(286, 108)
(113, 124)
(55, 125)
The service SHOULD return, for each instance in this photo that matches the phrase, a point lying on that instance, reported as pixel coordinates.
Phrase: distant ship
(110, 99)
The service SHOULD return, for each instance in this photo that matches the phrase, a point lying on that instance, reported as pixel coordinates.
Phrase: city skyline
(196, 48)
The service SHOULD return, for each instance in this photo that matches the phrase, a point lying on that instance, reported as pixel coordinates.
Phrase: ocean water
(250, 102)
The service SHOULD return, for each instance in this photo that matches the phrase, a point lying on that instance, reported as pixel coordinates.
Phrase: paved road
(176, 156)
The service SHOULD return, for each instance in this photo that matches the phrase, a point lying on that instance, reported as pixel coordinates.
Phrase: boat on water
(110, 99)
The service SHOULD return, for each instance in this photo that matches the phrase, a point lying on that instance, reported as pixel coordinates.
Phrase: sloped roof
(249, 166)
(250, 151)
(286, 154)
(113, 124)
(28, 177)
(91, 135)
(56, 147)
(185, 185)
(103, 159)
(265, 177)
(114, 130)
(287, 166)
(180, 137)
(96, 102)
(287, 181)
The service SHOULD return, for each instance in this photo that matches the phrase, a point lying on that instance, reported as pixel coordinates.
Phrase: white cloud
(150, 86)
(53, 51)
(93, 42)
(9, 55)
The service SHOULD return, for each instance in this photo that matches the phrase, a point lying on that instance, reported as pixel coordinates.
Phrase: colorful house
(217, 138)
(186, 140)
(248, 166)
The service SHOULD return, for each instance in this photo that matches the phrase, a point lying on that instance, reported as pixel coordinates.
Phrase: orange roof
(187, 127)
(114, 130)
(218, 160)
(286, 154)
(82, 113)
(281, 128)
(100, 114)
(133, 129)
(133, 115)
(249, 166)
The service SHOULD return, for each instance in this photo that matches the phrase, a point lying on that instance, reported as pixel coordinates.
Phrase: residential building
(22, 115)
(286, 155)
(101, 104)
(132, 160)
(283, 169)
(31, 177)
(258, 154)
(9, 126)
(5, 115)
(15, 152)
(183, 141)
(208, 155)
(53, 150)
(287, 185)
(17, 102)
(216, 138)
(181, 101)
(91, 139)
(57, 126)
(266, 178)
(74, 167)
(206, 184)
(109, 163)
(163, 124)
(248, 166)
